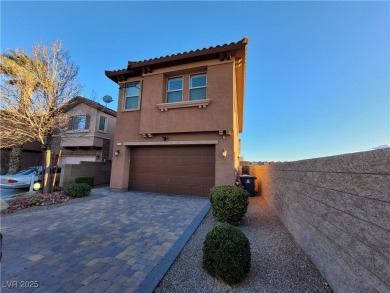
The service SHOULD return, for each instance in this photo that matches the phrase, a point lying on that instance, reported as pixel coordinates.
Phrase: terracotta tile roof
(135, 68)
(79, 99)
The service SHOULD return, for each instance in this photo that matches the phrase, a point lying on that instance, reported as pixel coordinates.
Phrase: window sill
(131, 110)
(78, 131)
(163, 107)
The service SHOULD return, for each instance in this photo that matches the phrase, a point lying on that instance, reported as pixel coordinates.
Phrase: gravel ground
(278, 263)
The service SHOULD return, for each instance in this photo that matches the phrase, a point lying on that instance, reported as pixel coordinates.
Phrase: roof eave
(137, 68)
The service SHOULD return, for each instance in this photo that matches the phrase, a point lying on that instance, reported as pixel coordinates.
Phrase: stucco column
(120, 169)
(224, 166)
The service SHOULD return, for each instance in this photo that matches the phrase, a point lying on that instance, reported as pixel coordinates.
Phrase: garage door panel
(197, 190)
(208, 182)
(185, 181)
(196, 170)
(210, 152)
(196, 161)
(208, 163)
(208, 172)
(184, 161)
(175, 169)
(197, 181)
(153, 159)
(197, 152)
(179, 169)
(206, 191)
(185, 151)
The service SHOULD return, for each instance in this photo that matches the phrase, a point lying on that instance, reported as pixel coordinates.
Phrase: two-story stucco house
(178, 121)
(90, 132)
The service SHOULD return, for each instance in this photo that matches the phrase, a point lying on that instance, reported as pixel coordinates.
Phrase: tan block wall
(338, 210)
(100, 171)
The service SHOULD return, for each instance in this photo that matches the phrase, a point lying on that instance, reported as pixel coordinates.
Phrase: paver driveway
(114, 242)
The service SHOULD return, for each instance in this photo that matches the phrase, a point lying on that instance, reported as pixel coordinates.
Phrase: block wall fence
(338, 210)
(100, 171)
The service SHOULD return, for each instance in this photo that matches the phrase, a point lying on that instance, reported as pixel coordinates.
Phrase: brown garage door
(173, 169)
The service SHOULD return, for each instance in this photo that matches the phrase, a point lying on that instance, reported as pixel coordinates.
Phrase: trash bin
(248, 181)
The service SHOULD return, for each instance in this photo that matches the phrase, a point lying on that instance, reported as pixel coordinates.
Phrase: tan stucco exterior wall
(91, 136)
(192, 124)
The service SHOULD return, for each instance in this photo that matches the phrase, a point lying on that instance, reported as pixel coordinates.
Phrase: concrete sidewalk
(114, 242)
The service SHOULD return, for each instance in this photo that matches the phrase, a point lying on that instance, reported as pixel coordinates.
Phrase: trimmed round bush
(226, 254)
(229, 203)
(78, 190)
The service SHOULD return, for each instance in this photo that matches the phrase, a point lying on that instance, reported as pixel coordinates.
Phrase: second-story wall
(91, 136)
(218, 115)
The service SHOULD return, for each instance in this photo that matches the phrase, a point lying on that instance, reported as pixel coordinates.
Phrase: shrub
(78, 190)
(58, 188)
(229, 203)
(88, 180)
(226, 254)
(34, 202)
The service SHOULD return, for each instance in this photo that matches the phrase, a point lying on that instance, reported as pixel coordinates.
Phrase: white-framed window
(132, 97)
(175, 89)
(198, 85)
(102, 125)
(78, 123)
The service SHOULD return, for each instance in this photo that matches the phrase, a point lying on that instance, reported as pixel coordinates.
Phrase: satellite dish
(107, 99)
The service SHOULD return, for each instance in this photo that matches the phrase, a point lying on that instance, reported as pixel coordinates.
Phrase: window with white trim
(175, 89)
(102, 126)
(132, 97)
(198, 84)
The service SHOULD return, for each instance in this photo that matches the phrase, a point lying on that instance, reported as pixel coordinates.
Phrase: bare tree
(17, 66)
(32, 100)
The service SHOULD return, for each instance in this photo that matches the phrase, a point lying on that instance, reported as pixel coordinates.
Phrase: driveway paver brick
(112, 242)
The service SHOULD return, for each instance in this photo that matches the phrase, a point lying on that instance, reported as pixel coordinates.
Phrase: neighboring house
(89, 137)
(90, 132)
(178, 122)
(31, 156)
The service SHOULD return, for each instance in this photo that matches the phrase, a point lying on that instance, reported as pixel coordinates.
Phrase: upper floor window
(175, 89)
(132, 96)
(102, 126)
(79, 122)
(198, 83)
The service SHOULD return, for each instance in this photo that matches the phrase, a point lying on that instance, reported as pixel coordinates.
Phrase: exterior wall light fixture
(117, 152)
(224, 153)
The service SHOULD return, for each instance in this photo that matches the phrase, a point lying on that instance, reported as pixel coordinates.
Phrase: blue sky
(318, 73)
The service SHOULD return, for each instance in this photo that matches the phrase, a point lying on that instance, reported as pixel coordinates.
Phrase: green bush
(34, 202)
(88, 180)
(58, 188)
(226, 254)
(78, 190)
(229, 203)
